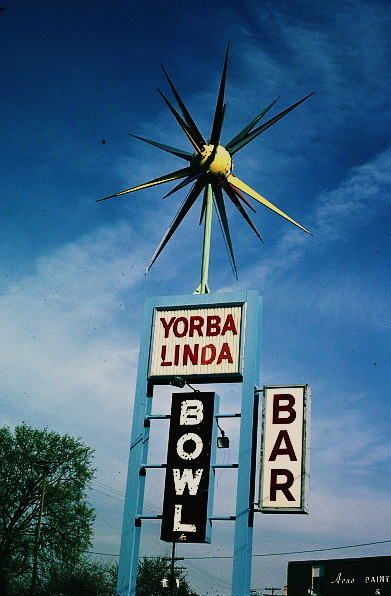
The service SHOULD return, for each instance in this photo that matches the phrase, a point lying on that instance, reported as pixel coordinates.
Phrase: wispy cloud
(66, 345)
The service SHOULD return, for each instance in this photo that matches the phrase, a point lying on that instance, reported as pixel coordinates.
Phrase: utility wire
(297, 552)
(293, 552)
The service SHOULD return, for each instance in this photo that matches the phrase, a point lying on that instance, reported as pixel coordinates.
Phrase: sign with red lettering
(285, 436)
(196, 341)
(186, 490)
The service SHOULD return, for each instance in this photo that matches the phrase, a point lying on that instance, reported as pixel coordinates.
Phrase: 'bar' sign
(185, 506)
(284, 473)
(196, 341)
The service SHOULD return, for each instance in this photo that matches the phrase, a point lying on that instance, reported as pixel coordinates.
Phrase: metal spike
(252, 135)
(219, 111)
(223, 220)
(166, 178)
(232, 195)
(186, 205)
(178, 152)
(249, 126)
(183, 184)
(186, 114)
(252, 193)
(181, 122)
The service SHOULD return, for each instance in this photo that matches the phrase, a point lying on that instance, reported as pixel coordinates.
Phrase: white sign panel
(196, 341)
(284, 471)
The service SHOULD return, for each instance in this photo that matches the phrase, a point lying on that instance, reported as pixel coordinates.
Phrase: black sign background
(194, 507)
(366, 576)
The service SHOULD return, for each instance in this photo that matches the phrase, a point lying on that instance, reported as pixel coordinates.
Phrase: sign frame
(198, 501)
(138, 451)
(305, 452)
(206, 301)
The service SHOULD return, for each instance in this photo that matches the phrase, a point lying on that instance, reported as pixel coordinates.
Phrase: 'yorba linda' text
(204, 342)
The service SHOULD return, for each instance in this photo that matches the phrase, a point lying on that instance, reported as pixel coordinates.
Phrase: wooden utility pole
(172, 560)
(38, 535)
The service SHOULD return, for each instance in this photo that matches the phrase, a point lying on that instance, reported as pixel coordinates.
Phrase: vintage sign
(196, 341)
(185, 506)
(284, 463)
(366, 576)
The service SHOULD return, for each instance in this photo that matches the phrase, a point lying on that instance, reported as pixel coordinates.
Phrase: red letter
(288, 450)
(185, 327)
(229, 325)
(163, 362)
(277, 408)
(204, 359)
(225, 354)
(188, 354)
(176, 354)
(212, 325)
(167, 325)
(283, 486)
(196, 324)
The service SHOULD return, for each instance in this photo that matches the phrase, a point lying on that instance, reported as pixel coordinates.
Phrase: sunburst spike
(249, 126)
(181, 122)
(242, 198)
(178, 152)
(218, 124)
(184, 183)
(203, 207)
(219, 111)
(186, 205)
(186, 114)
(232, 195)
(166, 178)
(223, 220)
(252, 135)
(252, 193)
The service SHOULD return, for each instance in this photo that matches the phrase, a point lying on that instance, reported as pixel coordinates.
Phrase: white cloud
(353, 205)
(66, 356)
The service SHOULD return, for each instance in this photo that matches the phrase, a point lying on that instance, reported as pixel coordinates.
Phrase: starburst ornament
(209, 171)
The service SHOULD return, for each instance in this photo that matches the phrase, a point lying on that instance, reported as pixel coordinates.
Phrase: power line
(97, 490)
(111, 488)
(293, 552)
(92, 552)
(297, 552)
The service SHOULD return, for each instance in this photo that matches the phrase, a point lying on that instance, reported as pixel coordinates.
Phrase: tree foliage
(87, 578)
(150, 576)
(42, 471)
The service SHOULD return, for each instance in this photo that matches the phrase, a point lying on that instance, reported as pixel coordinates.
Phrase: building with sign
(366, 576)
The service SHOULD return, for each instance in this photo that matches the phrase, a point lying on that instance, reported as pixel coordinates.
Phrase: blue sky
(75, 74)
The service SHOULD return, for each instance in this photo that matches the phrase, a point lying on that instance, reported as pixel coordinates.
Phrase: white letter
(189, 437)
(192, 412)
(178, 526)
(337, 579)
(187, 477)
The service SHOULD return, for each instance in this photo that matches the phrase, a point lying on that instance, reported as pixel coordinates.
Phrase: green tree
(45, 518)
(150, 575)
(88, 578)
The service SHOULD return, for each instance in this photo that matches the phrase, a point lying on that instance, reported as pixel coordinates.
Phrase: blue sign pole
(241, 572)
(138, 454)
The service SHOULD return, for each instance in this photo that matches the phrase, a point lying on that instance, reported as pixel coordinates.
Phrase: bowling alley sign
(197, 341)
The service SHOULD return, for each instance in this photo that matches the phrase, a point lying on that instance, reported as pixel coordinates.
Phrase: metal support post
(241, 572)
(138, 455)
(208, 202)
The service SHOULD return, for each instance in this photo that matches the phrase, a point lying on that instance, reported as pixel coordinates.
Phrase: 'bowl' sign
(196, 341)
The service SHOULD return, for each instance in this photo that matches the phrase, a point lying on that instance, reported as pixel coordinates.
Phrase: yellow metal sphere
(221, 164)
